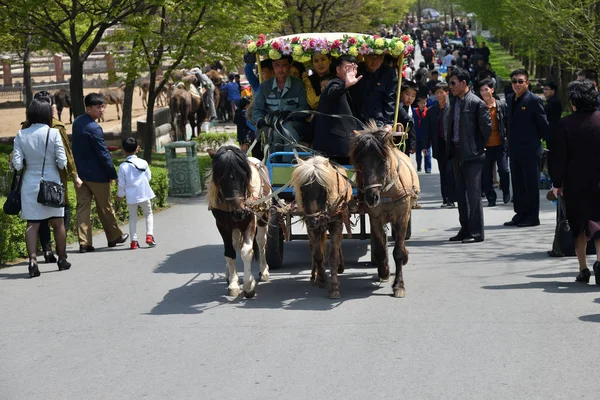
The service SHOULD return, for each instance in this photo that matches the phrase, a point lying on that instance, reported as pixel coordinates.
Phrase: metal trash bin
(184, 175)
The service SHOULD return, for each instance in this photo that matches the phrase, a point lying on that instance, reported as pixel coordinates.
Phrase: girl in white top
(134, 185)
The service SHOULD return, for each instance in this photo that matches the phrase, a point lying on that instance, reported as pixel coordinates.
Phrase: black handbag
(12, 205)
(51, 194)
(563, 236)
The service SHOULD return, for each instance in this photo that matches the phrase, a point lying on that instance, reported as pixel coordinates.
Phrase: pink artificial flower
(275, 45)
(262, 37)
(352, 41)
(336, 44)
(260, 43)
(295, 40)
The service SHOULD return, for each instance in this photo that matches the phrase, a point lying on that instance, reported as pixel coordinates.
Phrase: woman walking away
(576, 171)
(40, 150)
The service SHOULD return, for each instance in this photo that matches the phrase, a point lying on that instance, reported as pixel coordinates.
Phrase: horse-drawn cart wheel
(274, 250)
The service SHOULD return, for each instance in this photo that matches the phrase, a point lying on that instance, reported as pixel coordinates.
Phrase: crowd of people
(460, 121)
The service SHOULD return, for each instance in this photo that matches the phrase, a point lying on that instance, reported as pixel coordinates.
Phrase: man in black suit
(332, 135)
(433, 127)
(527, 126)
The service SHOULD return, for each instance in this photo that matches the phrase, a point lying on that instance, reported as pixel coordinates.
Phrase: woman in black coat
(576, 171)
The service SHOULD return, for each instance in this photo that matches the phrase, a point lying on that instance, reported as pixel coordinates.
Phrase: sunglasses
(453, 83)
(519, 81)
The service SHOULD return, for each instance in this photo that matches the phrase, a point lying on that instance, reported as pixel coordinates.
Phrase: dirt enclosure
(11, 118)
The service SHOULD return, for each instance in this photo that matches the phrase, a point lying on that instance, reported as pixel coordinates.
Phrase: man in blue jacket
(527, 126)
(96, 170)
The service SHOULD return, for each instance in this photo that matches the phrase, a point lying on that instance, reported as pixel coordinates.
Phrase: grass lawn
(502, 62)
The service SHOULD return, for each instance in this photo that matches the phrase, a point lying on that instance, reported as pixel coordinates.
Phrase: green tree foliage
(182, 33)
(304, 16)
(549, 32)
(74, 26)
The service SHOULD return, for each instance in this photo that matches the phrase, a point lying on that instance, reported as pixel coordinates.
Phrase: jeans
(419, 156)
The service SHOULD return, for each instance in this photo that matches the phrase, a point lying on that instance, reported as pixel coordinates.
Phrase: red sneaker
(134, 245)
(150, 241)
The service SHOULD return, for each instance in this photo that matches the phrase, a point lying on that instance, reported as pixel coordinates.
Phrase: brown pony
(389, 186)
(234, 182)
(322, 196)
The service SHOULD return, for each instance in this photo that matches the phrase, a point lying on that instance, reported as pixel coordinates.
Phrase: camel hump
(194, 92)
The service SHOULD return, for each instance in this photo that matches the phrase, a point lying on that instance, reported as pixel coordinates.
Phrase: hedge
(213, 140)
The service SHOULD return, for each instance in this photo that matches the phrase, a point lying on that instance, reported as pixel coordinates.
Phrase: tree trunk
(128, 105)
(419, 11)
(149, 136)
(27, 72)
(76, 85)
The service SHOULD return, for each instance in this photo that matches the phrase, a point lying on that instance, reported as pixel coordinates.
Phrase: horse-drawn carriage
(382, 183)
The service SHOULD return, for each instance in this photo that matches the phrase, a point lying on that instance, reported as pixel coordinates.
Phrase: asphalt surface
(491, 320)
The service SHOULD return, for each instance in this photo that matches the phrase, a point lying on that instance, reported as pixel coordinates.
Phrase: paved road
(493, 320)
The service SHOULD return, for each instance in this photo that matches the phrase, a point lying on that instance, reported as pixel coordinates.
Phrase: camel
(186, 107)
(62, 99)
(114, 95)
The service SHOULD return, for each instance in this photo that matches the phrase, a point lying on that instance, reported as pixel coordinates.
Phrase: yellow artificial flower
(378, 51)
(379, 42)
(399, 46)
(252, 47)
(297, 50)
(353, 51)
(274, 54)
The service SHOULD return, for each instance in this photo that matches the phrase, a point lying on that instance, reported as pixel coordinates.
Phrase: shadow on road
(549, 287)
(289, 287)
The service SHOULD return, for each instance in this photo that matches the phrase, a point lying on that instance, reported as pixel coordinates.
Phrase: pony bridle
(380, 185)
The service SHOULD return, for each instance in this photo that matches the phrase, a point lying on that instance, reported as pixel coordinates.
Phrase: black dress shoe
(33, 269)
(472, 239)
(512, 222)
(506, 198)
(121, 239)
(63, 264)
(524, 224)
(86, 249)
(597, 272)
(491, 203)
(552, 253)
(584, 276)
(49, 257)
(460, 237)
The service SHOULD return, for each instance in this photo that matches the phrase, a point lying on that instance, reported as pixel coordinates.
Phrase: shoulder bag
(12, 205)
(51, 194)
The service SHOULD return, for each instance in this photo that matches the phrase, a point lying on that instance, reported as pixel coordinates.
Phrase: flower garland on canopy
(302, 49)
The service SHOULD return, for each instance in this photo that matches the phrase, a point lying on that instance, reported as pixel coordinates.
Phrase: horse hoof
(265, 278)
(399, 293)
(334, 295)
(322, 284)
(341, 269)
(233, 292)
(250, 294)
(384, 280)
(313, 282)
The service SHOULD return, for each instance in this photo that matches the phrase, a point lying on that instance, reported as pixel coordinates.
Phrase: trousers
(100, 193)
(148, 216)
(468, 194)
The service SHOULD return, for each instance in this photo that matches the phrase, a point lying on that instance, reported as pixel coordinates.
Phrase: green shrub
(213, 140)
(451, 34)
(12, 236)
(204, 163)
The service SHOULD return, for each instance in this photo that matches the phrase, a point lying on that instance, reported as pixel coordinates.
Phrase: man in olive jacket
(467, 130)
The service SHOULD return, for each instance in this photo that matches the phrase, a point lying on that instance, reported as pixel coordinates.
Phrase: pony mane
(315, 169)
(370, 140)
(228, 160)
